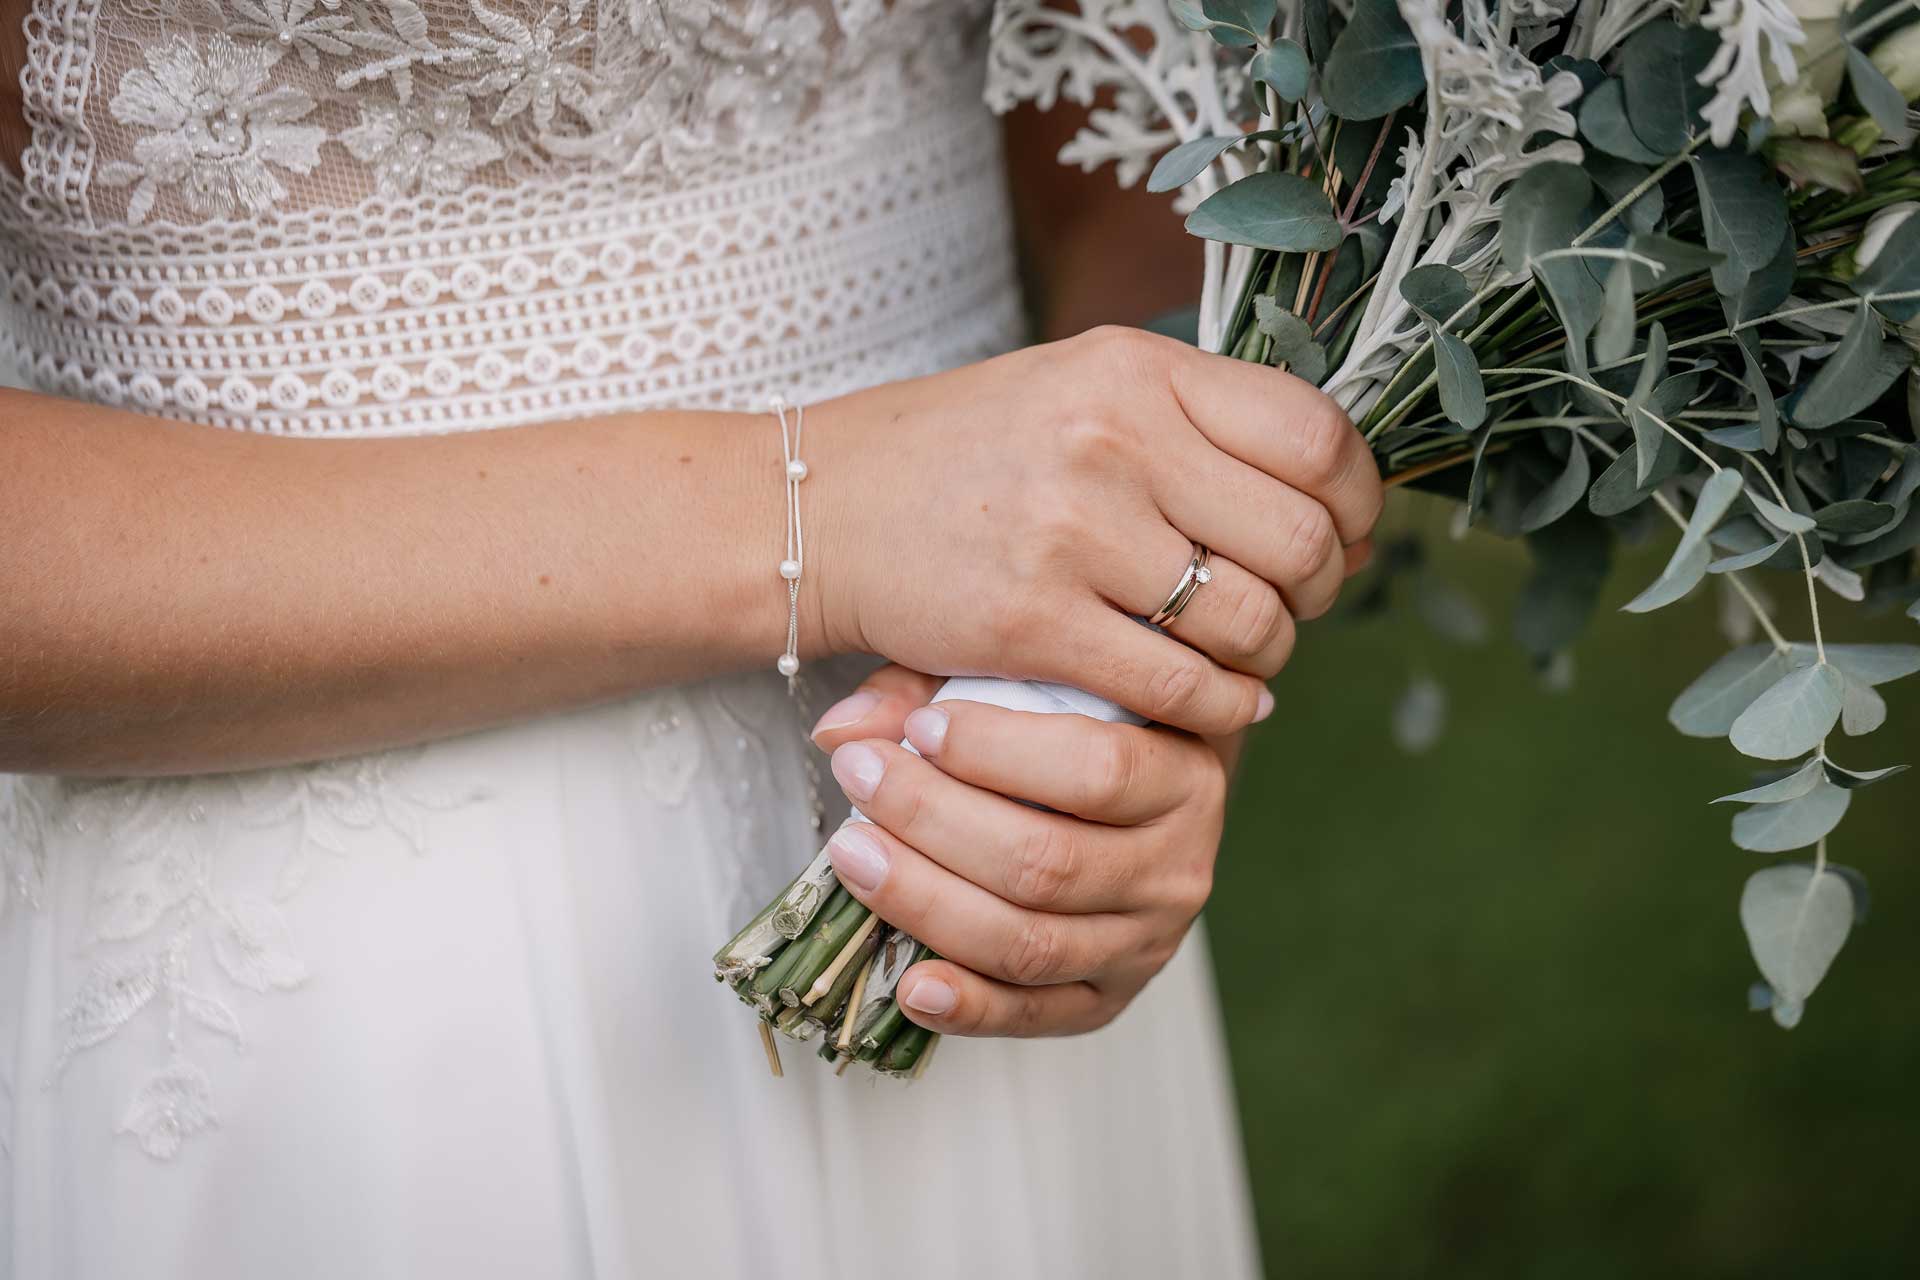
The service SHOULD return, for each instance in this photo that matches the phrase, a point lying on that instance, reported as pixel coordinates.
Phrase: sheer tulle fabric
(445, 1011)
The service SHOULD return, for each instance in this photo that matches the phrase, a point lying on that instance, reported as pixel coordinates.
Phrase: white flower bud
(1880, 229)
(1898, 57)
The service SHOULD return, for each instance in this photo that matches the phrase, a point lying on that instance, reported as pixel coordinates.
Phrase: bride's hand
(1006, 517)
(1047, 923)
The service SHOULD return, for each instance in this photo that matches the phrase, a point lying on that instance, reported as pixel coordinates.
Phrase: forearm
(181, 598)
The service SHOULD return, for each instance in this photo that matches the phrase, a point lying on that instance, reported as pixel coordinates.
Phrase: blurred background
(1487, 1005)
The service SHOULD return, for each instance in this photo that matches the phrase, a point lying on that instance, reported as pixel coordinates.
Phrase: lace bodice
(377, 216)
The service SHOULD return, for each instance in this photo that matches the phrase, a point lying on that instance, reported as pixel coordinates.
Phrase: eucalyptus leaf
(1853, 781)
(1886, 104)
(1438, 293)
(1613, 336)
(1679, 258)
(1766, 411)
(1750, 559)
(1742, 211)
(1188, 161)
(1269, 210)
(1571, 557)
(1855, 515)
(1875, 664)
(1895, 269)
(1190, 15)
(1254, 15)
(1796, 920)
(1858, 372)
(1793, 824)
(1619, 488)
(1284, 67)
(1565, 491)
(1293, 342)
(1789, 522)
(1463, 396)
(1420, 716)
(1646, 431)
(1618, 179)
(1862, 709)
(1477, 479)
(1792, 717)
(1682, 574)
(1543, 211)
(1764, 290)
(1603, 122)
(1708, 707)
(1660, 67)
(1375, 64)
(1895, 542)
(1792, 787)
(1238, 23)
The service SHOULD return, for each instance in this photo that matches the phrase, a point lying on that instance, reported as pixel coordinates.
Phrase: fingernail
(859, 768)
(927, 730)
(930, 995)
(851, 709)
(857, 858)
(1265, 707)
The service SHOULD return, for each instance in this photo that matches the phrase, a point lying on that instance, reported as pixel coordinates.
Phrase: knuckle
(1117, 343)
(1091, 435)
(1322, 441)
(1106, 769)
(1174, 691)
(1280, 650)
(1036, 953)
(1311, 542)
(1257, 618)
(1042, 866)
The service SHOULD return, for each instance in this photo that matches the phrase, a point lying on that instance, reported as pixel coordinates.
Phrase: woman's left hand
(1047, 923)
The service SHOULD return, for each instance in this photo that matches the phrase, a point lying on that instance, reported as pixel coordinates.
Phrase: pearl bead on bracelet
(796, 558)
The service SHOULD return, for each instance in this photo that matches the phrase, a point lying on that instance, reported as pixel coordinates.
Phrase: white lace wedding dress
(446, 1012)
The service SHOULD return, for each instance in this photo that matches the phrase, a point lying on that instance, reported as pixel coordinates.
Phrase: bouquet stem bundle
(815, 962)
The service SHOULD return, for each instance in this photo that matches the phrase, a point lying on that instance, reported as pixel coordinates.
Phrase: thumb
(877, 709)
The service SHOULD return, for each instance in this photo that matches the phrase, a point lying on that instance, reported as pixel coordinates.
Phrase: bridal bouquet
(1591, 268)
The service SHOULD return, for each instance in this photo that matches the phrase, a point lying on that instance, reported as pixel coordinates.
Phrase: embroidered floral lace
(356, 217)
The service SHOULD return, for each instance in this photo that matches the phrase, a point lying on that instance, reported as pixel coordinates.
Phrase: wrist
(834, 498)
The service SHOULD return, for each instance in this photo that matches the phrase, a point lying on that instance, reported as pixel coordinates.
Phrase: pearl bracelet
(796, 558)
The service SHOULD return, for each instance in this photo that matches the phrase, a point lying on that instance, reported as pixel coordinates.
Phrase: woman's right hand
(1007, 517)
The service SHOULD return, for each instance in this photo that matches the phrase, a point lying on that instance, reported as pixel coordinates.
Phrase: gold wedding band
(1196, 576)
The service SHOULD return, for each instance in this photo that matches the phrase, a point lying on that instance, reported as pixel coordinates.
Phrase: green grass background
(1487, 1005)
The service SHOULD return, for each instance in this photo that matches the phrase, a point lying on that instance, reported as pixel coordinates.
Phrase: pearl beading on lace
(796, 559)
